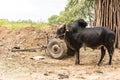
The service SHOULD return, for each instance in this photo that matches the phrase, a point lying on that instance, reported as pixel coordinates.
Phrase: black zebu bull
(77, 36)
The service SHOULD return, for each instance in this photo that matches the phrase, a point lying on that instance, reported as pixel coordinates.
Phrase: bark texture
(107, 13)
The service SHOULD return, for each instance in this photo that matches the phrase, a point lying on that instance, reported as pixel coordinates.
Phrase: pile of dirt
(22, 66)
(28, 37)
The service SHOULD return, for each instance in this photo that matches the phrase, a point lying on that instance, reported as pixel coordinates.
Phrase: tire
(57, 49)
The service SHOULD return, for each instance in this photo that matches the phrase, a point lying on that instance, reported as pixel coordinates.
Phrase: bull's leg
(102, 55)
(77, 61)
(110, 51)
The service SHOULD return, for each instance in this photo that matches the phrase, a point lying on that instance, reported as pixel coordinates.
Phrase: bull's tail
(111, 39)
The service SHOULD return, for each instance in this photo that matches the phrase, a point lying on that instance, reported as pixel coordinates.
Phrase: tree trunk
(107, 13)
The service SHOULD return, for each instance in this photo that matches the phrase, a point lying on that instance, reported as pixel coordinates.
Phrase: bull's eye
(61, 30)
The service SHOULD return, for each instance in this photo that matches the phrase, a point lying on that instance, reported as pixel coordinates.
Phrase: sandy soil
(20, 66)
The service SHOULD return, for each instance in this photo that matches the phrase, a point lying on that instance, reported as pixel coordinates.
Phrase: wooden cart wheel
(57, 49)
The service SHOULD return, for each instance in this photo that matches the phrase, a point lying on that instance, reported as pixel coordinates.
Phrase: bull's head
(61, 31)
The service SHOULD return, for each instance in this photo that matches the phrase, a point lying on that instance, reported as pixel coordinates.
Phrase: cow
(76, 36)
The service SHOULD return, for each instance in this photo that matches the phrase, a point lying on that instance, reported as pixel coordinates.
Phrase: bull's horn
(62, 25)
(67, 28)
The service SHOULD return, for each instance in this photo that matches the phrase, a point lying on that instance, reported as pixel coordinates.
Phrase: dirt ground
(22, 66)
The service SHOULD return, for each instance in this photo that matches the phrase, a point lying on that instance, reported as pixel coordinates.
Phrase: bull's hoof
(109, 63)
(98, 64)
(77, 63)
